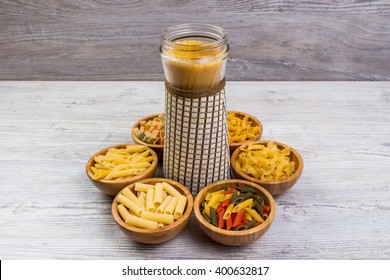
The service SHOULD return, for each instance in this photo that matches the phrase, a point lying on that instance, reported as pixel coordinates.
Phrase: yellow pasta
(181, 204)
(159, 218)
(130, 195)
(215, 199)
(171, 206)
(171, 190)
(129, 204)
(245, 204)
(161, 208)
(140, 222)
(210, 195)
(122, 163)
(140, 187)
(150, 200)
(158, 194)
(228, 211)
(241, 129)
(267, 163)
(254, 215)
(123, 211)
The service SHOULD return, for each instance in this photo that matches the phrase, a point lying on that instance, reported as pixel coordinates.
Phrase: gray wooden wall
(119, 39)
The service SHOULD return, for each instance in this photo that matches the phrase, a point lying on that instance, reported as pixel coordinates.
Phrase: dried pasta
(267, 163)
(121, 163)
(142, 209)
(241, 129)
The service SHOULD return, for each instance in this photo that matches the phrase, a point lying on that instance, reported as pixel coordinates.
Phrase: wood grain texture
(270, 40)
(339, 209)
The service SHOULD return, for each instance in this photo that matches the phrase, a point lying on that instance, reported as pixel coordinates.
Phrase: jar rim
(173, 34)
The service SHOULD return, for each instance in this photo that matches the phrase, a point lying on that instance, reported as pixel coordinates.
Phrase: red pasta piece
(221, 221)
(265, 208)
(229, 223)
(228, 191)
(225, 203)
(238, 218)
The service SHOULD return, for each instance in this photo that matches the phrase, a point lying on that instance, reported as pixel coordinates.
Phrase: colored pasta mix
(235, 208)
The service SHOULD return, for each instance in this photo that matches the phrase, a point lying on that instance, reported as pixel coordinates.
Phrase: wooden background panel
(119, 40)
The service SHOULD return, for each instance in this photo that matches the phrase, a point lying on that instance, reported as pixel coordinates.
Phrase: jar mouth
(213, 38)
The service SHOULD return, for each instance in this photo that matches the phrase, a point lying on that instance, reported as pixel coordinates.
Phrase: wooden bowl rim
(292, 177)
(258, 123)
(230, 233)
(135, 137)
(176, 185)
(121, 181)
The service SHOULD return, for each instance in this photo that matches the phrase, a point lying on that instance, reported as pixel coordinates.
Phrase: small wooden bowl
(228, 237)
(159, 149)
(276, 187)
(255, 121)
(160, 235)
(112, 187)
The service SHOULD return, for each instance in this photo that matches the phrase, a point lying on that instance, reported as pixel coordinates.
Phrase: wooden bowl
(112, 187)
(159, 235)
(159, 149)
(228, 237)
(255, 121)
(276, 187)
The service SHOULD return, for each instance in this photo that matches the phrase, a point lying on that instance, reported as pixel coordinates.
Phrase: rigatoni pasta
(151, 206)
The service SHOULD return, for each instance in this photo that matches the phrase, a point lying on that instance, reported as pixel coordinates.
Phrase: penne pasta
(245, 204)
(255, 215)
(228, 211)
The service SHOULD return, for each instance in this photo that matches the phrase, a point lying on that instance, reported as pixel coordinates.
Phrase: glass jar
(194, 55)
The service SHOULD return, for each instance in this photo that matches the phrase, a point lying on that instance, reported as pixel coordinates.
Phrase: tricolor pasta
(244, 209)
(122, 163)
(152, 206)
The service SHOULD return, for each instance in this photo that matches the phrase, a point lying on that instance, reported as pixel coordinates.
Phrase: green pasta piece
(241, 198)
(248, 225)
(207, 218)
(258, 198)
(258, 207)
(247, 189)
(213, 216)
(234, 196)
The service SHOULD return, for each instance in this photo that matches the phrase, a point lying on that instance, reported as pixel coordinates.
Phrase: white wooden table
(339, 209)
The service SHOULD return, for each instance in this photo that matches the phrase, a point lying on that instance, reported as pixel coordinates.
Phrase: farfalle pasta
(267, 163)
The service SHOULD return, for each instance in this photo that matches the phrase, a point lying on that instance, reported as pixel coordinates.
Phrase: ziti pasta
(122, 163)
(267, 163)
(152, 206)
(243, 209)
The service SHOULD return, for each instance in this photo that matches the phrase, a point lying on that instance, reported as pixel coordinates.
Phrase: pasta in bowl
(153, 211)
(242, 128)
(273, 165)
(234, 212)
(113, 168)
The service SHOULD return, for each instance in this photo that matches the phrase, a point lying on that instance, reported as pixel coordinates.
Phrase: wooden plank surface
(339, 209)
(270, 40)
